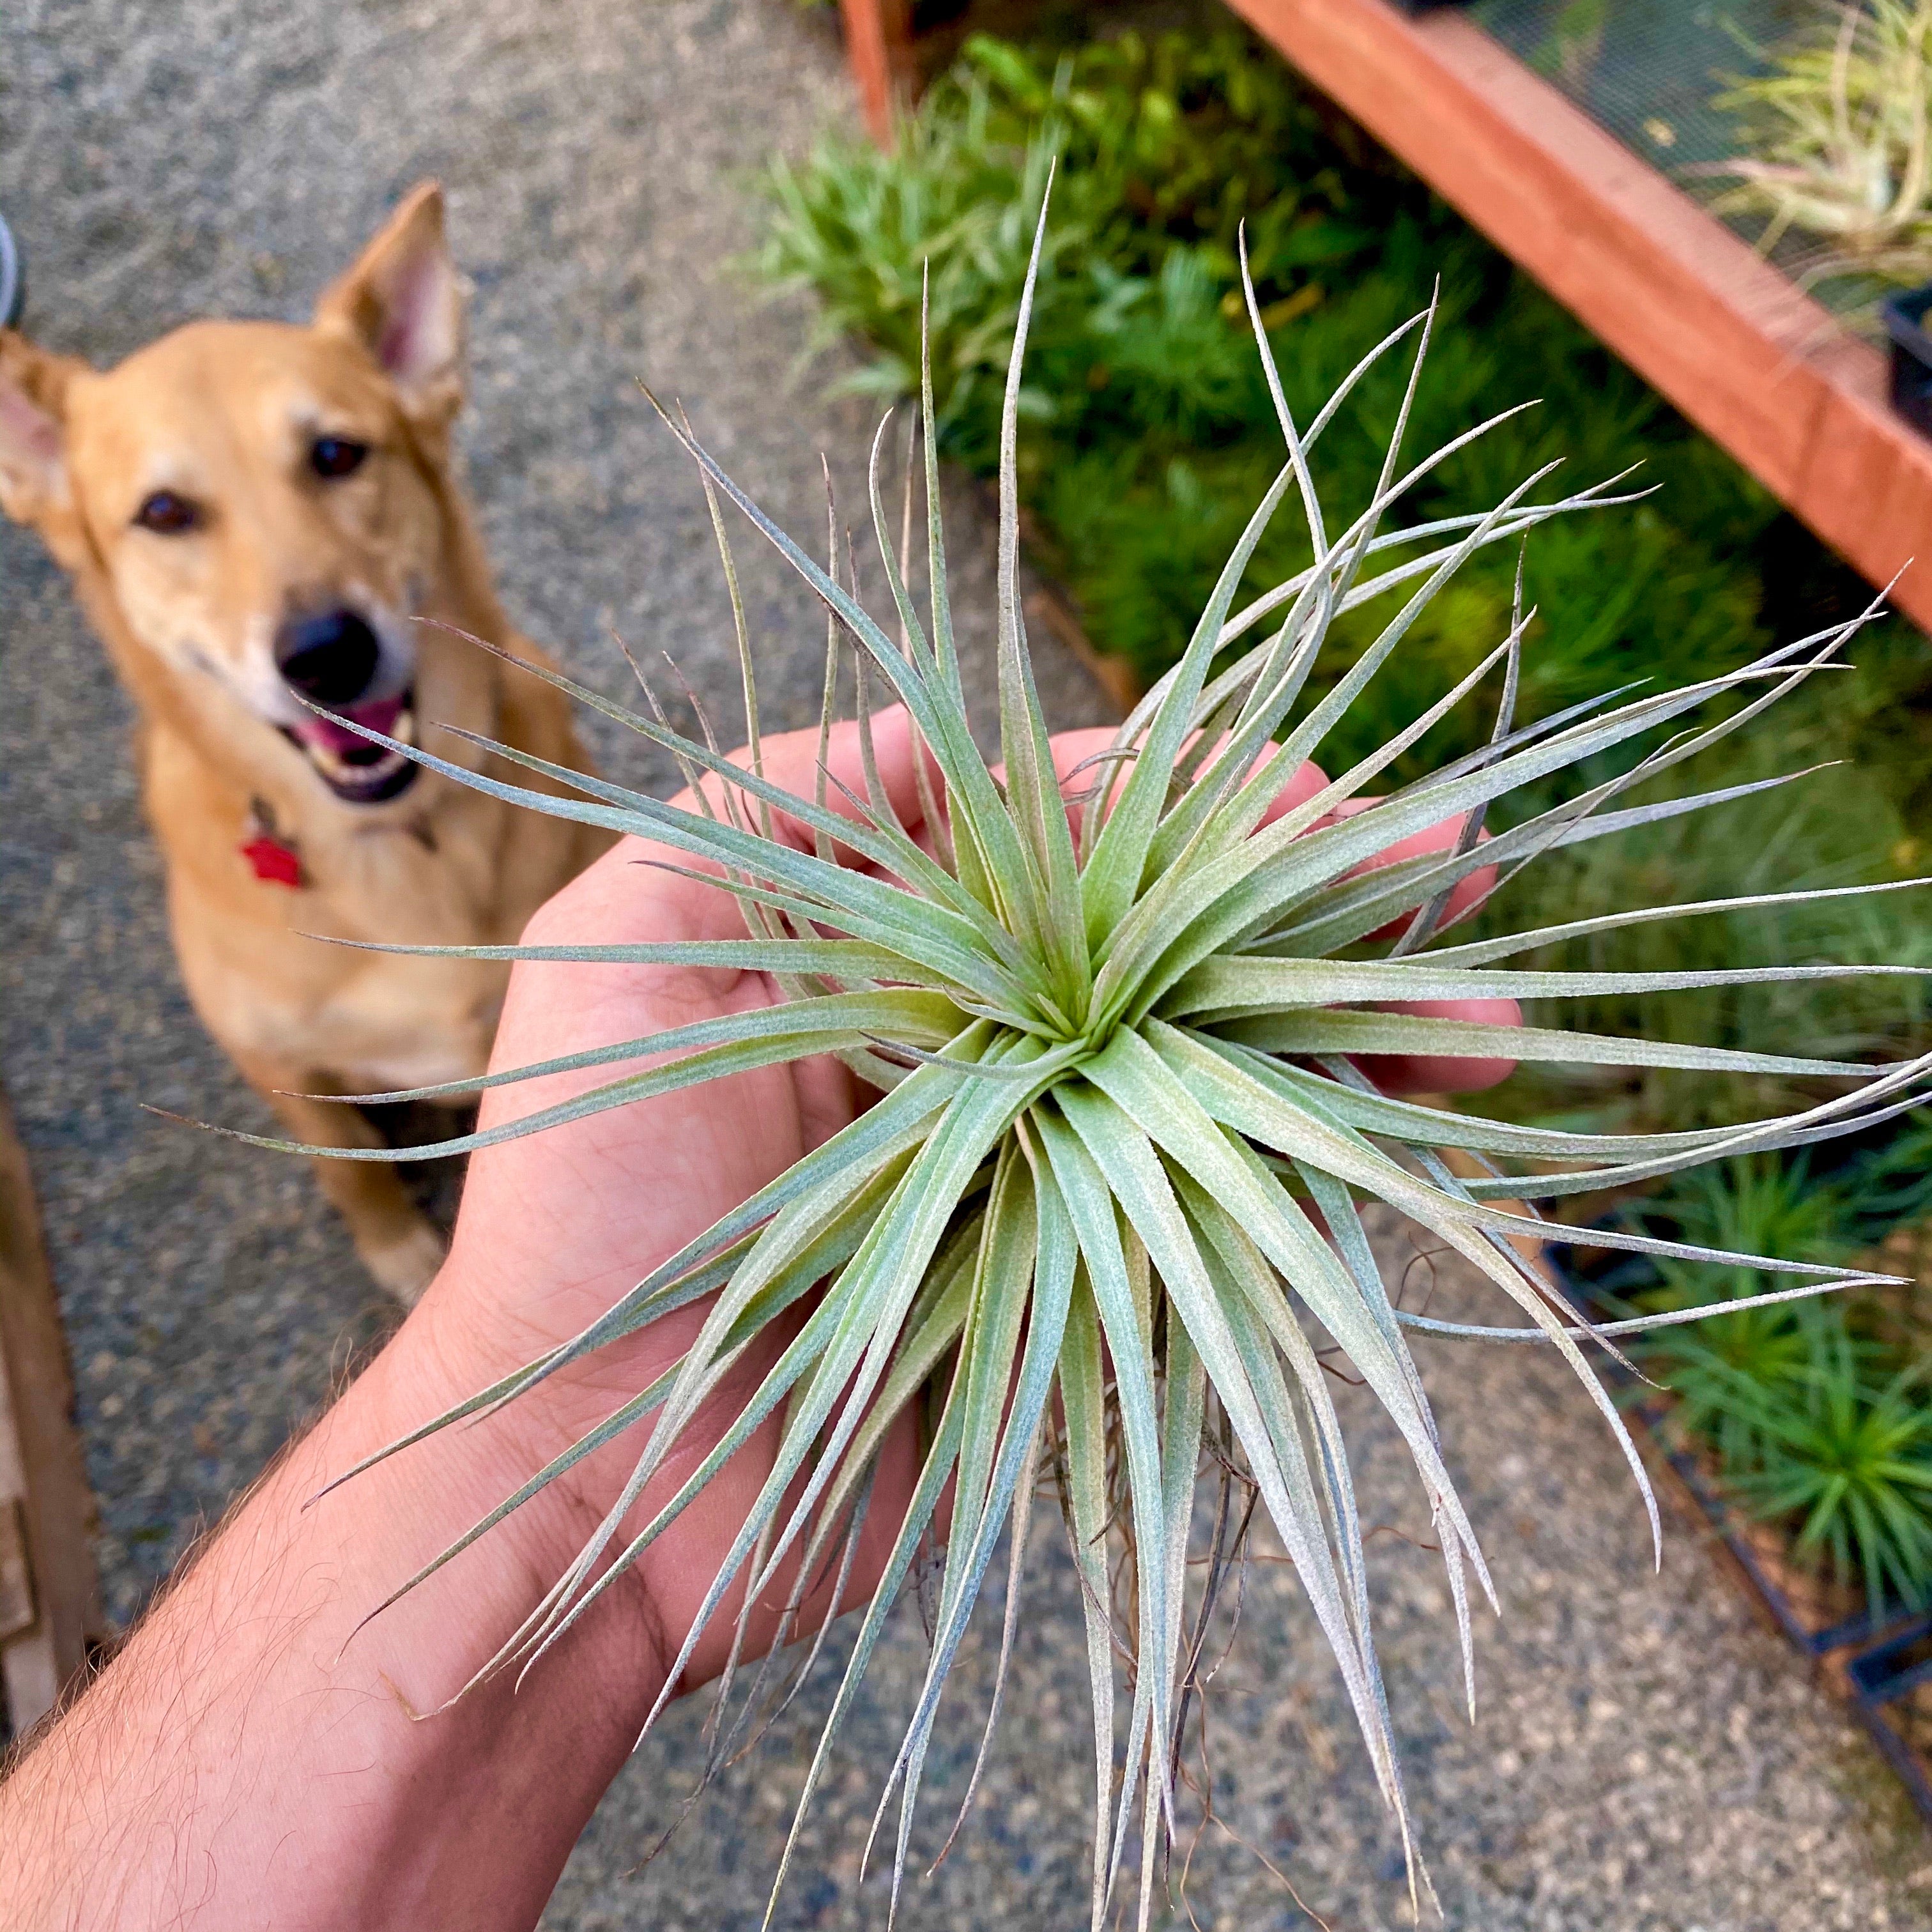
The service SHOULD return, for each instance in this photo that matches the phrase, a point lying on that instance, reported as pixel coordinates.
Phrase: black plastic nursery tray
(1905, 317)
(1891, 1684)
(1881, 1663)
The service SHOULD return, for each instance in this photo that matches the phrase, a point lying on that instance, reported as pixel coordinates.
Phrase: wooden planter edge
(53, 1611)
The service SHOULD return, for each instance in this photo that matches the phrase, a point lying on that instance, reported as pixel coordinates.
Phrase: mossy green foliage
(1150, 422)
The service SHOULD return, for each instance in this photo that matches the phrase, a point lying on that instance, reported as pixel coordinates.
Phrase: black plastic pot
(1911, 356)
(13, 278)
(1882, 1679)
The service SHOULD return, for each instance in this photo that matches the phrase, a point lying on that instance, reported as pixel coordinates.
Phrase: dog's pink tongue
(332, 736)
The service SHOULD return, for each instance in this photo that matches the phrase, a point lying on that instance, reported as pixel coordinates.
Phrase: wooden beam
(49, 1601)
(878, 47)
(1758, 366)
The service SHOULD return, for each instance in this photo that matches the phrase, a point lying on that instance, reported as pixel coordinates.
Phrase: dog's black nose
(331, 659)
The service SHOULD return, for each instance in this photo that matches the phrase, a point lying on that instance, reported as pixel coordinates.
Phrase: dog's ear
(34, 488)
(401, 300)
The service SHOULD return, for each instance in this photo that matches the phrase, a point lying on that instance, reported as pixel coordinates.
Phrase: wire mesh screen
(1648, 70)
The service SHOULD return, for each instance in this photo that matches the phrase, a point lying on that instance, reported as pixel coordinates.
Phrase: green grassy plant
(1850, 1461)
(1894, 1185)
(1161, 146)
(1818, 1420)
(1108, 1205)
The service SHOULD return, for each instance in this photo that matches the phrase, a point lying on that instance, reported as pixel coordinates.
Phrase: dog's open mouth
(352, 768)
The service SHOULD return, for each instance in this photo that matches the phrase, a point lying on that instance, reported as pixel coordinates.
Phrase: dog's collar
(276, 860)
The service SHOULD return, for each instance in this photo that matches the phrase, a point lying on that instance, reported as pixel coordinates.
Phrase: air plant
(1104, 1224)
(1839, 135)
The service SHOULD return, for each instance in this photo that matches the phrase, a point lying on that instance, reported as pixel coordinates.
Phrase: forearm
(243, 1762)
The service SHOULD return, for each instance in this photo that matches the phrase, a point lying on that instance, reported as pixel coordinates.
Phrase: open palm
(557, 1226)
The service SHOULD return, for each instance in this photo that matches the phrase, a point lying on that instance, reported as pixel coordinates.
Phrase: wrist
(257, 1681)
(413, 1506)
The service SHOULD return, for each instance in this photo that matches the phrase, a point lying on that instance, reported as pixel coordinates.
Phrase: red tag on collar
(275, 864)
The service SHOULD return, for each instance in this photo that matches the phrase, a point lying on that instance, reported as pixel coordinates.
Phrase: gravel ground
(1647, 1757)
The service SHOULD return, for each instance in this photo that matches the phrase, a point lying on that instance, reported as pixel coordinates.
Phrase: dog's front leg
(398, 1244)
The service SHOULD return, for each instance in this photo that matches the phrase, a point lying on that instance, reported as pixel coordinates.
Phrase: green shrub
(1149, 419)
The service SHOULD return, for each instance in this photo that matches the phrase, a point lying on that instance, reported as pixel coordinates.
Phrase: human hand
(555, 1227)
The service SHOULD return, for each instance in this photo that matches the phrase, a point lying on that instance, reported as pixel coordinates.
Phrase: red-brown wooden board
(50, 1610)
(878, 46)
(1755, 363)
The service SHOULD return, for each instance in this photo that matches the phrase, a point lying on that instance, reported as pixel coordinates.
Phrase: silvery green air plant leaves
(1104, 1221)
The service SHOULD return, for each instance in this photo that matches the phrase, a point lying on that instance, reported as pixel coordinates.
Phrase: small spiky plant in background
(1842, 144)
(1105, 1218)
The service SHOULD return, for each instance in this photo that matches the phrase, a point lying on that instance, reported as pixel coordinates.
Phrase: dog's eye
(167, 514)
(333, 456)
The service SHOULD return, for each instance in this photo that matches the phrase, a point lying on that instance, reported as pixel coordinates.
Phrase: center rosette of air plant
(1103, 1231)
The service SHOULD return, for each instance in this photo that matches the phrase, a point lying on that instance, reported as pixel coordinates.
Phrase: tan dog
(253, 514)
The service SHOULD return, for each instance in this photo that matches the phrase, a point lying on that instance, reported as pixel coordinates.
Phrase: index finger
(791, 759)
